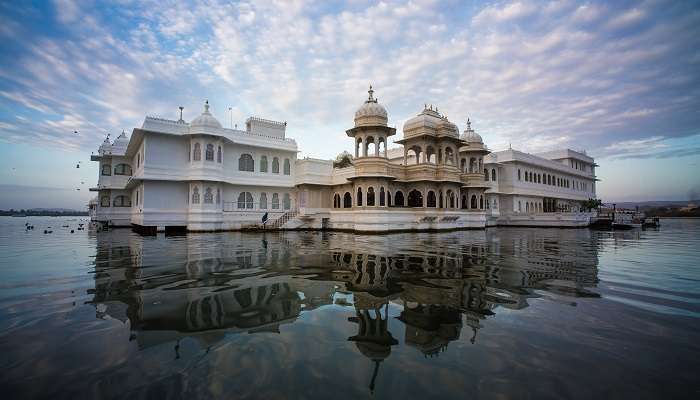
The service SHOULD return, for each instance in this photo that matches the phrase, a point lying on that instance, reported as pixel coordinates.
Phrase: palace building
(199, 176)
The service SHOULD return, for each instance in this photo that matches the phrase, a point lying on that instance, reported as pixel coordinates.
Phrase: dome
(431, 120)
(470, 135)
(105, 147)
(121, 140)
(206, 120)
(371, 112)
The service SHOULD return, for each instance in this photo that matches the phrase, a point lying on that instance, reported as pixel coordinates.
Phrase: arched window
(336, 200)
(464, 201)
(245, 200)
(370, 196)
(493, 174)
(122, 201)
(398, 199)
(518, 174)
(263, 201)
(473, 201)
(440, 202)
(104, 201)
(218, 195)
(527, 207)
(481, 202)
(347, 200)
(287, 167)
(209, 154)
(287, 202)
(359, 197)
(263, 164)
(519, 206)
(275, 201)
(208, 196)
(382, 200)
(486, 174)
(122, 169)
(450, 199)
(218, 155)
(197, 153)
(138, 160)
(246, 163)
(275, 165)
(388, 199)
(107, 169)
(415, 198)
(195, 195)
(431, 199)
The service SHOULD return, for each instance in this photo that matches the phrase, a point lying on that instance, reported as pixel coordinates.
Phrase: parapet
(265, 127)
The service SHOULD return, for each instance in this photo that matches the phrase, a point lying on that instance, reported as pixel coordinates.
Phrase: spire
(371, 99)
(469, 124)
(206, 106)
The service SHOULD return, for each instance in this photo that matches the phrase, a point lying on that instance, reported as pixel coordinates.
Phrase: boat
(651, 222)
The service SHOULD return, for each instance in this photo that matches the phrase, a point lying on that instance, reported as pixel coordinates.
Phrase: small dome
(206, 120)
(371, 112)
(105, 147)
(470, 135)
(121, 140)
(431, 120)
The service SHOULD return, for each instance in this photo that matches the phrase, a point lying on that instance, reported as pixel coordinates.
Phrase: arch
(122, 169)
(527, 207)
(388, 199)
(381, 144)
(107, 169)
(473, 165)
(209, 154)
(493, 174)
(336, 200)
(246, 163)
(195, 195)
(358, 146)
(371, 148)
(287, 202)
(449, 156)
(464, 201)
(262, 204)
(431, 199)
(208, 196)
(275, 201)
(370, 196)
(197, 152)
(463, 165)
(473, 202)
(122, 201)
(359, 197)
(415, 198)
(519, 206)
(275, 165)
(450, 199)
(218, 195)
(430, 156)
(263, 164)
(245, 200)
(218, 155)
(287, 167)
(104, 201)
(416, 150)
(398, 199)
(518, 174)
(481, 202)
(486, 174)
(382, 197)
(347, 200)
(539, 178)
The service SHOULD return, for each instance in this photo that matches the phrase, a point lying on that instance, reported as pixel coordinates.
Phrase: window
(218, 155)
(137, 197)
(336, 200)
(218, 195)
(415, 198)
(208, 196)
(275, 201)
(287, 201)
(382, 200)
(122, 201)
(520, 208)
(398, 199)
(197, 153)
(245, 200)
(263, 201)
(486, 174)
(450, 199)
(287, 167)
(245, 163)
(481, 202)
(518, 174)
(138, 160)
(359, 197)
(122, 169)
(431, 199)
(275, 165)
(263, 164)
(347, 200)
(493, 174)
(473, 201)
(104, 201)
(107, 169)
(195, 195)
(370, 196)
(209, 154)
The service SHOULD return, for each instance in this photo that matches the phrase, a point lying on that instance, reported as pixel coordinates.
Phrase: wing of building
(199, 176)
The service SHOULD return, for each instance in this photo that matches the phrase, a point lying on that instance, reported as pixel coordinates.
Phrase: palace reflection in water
(445, 286)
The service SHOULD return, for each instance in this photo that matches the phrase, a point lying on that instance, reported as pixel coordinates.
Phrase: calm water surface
(501, 313)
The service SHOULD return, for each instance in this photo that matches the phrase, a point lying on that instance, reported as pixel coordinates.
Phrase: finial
(371, 99)
(469, 124)
(181, 108)
(206, 106)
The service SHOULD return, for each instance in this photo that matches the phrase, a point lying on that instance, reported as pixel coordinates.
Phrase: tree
(343, 160)
(591, 204)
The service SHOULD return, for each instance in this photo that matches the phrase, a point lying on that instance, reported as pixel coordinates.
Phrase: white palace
(199, 176)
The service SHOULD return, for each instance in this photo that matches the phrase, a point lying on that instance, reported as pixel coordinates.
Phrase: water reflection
(441, 286)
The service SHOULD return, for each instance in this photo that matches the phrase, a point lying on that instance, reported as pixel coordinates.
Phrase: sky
(620, 80)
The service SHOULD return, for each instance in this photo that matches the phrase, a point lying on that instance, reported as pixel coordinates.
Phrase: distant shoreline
(42, 213)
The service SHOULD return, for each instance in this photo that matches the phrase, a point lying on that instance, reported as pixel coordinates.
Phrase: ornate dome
(206, 120)
(371, 112)
(470, 135)
(431, 120)
(121, 140)
(105, 147)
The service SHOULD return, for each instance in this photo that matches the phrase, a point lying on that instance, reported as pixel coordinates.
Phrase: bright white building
(199, 176)
(196, 176)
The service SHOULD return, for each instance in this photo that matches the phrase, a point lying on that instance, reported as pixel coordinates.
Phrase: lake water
(500, 313)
